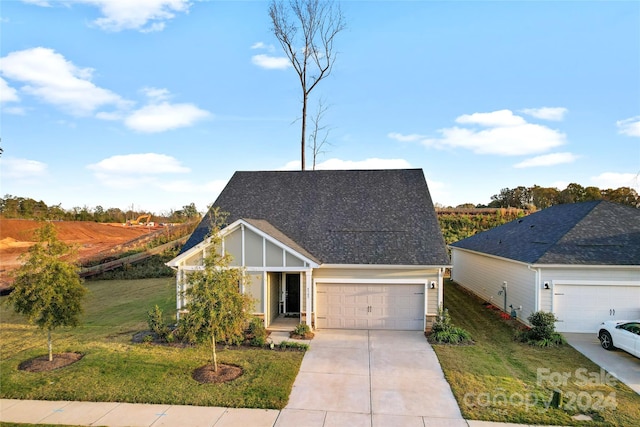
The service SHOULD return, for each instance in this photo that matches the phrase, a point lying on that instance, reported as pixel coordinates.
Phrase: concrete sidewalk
(143, 415)
(130, 415)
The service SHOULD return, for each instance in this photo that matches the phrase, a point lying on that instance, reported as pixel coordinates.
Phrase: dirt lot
(16, 236)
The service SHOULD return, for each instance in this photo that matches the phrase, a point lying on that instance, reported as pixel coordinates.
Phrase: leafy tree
(216, 309)
(306, 30)
(47, 288)
(574, 193)
(190, 211)
(544, 197)
(623, 195)
(592, 193)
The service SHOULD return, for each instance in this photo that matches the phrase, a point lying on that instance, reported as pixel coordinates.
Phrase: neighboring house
(579, 261)
(354, 249)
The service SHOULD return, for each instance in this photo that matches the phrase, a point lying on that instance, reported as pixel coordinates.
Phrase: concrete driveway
(620, 364)
(370, 378)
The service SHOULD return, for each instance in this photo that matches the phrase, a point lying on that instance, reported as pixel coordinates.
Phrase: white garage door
(370, 306)
(582, 308)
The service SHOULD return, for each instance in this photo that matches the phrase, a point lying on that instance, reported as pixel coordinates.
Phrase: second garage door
(370, 306)
(581, 308)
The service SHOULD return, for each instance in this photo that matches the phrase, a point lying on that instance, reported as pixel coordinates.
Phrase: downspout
(536, 305)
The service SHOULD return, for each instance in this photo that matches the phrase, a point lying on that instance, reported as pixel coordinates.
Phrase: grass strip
(115, 370)
(499, 379)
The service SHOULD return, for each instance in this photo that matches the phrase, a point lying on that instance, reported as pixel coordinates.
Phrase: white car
(622, 334)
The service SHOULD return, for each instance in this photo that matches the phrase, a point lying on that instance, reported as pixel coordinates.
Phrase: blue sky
(157, 104)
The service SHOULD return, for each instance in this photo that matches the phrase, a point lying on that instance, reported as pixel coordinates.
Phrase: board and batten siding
(484, 276)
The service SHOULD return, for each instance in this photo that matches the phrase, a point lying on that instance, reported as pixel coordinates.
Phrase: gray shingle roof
(340, 217)
(588, 233)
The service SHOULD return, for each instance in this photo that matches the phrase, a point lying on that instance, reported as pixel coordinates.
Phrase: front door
(293, 293)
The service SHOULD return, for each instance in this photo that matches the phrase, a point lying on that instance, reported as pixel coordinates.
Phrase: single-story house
(355, 249)
(579, 261)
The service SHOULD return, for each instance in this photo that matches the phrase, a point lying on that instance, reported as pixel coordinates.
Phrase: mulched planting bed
(206, 374)
(42, 363)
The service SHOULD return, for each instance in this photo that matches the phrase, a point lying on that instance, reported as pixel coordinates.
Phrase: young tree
(47, 288)
(306, 30)
(216, 309)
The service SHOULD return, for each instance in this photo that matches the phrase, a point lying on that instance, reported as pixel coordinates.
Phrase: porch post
(309, 293)
(265, 296)
(440, 287)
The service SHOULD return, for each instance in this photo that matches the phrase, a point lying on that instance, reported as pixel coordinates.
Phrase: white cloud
(7, 93)
(338, 164)
(506, 134)
(501, 118)
(615, 180)
(48, 76)
(156, 94)
(405, 138)
(630, 126)
(138, 164)
(164, 116)
(133, 172)
(142, 15)
(547, 113)
(547, 160)
(16, 168)
(271, 62)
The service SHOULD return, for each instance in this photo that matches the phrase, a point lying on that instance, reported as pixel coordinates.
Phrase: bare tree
(319, 133)
(306, 29)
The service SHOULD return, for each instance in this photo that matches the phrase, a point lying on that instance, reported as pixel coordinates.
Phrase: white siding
(484, 276)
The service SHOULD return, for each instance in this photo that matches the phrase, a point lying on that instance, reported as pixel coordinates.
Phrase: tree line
(13, 207)
(536, 197)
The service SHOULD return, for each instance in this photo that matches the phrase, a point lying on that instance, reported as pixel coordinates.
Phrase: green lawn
(114, 369)
(498, 379)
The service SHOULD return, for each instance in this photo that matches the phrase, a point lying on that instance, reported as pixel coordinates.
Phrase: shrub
(302, 329)
(155, 320)
(444, 332)
(256, 332)
(543, 331)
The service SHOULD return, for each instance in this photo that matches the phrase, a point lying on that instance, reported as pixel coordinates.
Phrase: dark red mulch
(42, 363)
(206, 375)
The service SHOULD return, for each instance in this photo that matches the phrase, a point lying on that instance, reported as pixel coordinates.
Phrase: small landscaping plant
(444, 332)
(161, 330)
(302, 331)
(290, 345)
(543, 331)
(256, 333)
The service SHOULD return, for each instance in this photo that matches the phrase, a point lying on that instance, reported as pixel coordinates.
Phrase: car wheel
(605, 340)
